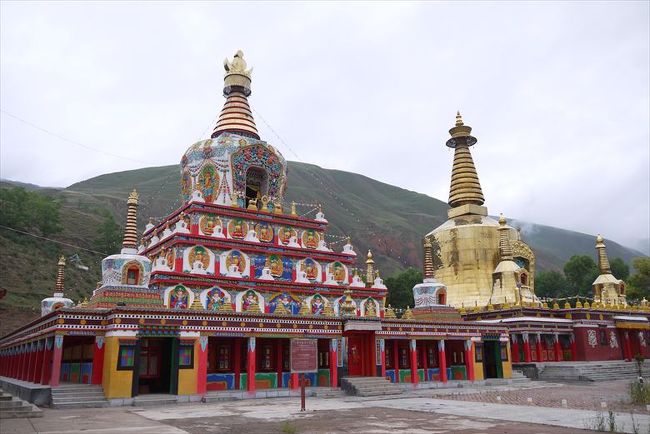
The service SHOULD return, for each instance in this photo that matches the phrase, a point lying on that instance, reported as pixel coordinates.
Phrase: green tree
(551, 284)
(28, 210)
(110, 235)
(639, 282)
(620, 269)
(580, 272)
(400, 287)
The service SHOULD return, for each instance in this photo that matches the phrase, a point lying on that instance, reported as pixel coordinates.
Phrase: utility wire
(54, 241)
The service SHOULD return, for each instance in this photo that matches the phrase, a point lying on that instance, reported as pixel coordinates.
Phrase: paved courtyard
(464, 411)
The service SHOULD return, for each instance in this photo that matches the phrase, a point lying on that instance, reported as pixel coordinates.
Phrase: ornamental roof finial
(603, 260)
(236, 115)
(465, 186)
(130, 242)
(60, 274)
(459, 119)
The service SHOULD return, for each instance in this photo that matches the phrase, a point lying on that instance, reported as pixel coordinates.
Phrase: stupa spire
(603, 261)
(236, 115)
(60, 275)
(465, 186)
(505, 248)
(130, 242)
(428, 259)
(370, 269)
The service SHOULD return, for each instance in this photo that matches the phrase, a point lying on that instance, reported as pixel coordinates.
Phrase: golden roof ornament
(130, 242)
(603, 261)
(428, 259)
(370, 269)
(465, 186)
(280, 309)
(327, 310)
(293, 209)
(347, 307)
(236, 115)
(389, 312)
(60, 275)
(408, 314)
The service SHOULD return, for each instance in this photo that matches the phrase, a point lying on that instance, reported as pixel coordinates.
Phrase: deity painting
(285, 233)
(237, 228)
(310, 268)
(215, 299)
(236, 258)
(264, 232)
(370, 308)
(338, 271)
(207, 224)
(249, 301)
(179, 298)
(199, 258)
(310, 239)
(274, 262)
(317, 305)
(289, 303)
(186, 185)
(208, 182)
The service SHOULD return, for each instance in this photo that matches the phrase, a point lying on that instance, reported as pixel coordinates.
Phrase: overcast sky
(557, 94)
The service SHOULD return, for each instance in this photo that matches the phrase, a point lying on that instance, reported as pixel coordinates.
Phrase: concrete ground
(414, 412)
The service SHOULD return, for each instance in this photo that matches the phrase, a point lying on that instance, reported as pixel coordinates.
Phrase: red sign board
(304, 355)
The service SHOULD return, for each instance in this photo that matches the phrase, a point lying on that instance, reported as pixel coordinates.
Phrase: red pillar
(396, 359)
(469, 359)
(372, 343)
(557, 348)
(574, 349)
(31, 362)
(278, 361)
(202, 374)
(47, 361)
(425, 362)
(528, 357)
(250, 365)
(539, 348)
(237, 362)
(627, 347)
(19, 362)
(24, 362)
(442, 361)
(334, 347)
(38, 368)
(98, 360)
(515, 348)
(56, 360)
(414, 362)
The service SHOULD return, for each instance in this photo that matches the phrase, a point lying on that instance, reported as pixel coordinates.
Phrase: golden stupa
(480, 260)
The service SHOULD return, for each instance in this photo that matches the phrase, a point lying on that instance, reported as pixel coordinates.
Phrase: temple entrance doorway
(156, 368)
(361, 355)
(492, 359)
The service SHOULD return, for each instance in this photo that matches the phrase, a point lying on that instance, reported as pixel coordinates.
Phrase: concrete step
(13, 414)
(77, 399)
(5, 397)
(98, 393)
(82, 404)
(152, 400)
(10, 404)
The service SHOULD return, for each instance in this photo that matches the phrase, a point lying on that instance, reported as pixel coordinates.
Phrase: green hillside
(387, 219)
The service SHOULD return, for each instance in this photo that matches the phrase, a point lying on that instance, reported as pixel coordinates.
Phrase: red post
(574, 349)
(38, 368)
(539, 348)
(31, 368)
(47, 361)
(469, 359)
(425, 362)
(528, 357)
(557, 348)
(250, 365)
(295, 381)
(202, 380)
(334, 381)
(278, 361)
(302, 392)
(24, 363)
(98, 360)
(396, 359)
(237, 361)
(627, 347)
(56, 360)
(414, 362)
(515, 348)
(442, 361)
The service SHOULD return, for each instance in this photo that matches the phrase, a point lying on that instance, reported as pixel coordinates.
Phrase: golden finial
(293, 208)
(370, 269)
(502, 220)
(567, 305)
(133, 198)
(408, 314)
(237, 66)
(60, 274)
(369, 260)
(389, 312)
(428, 259)
(459, 119)
(131, 229)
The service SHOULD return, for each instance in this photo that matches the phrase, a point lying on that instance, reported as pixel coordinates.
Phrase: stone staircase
(79, 396)
(154, 400)
(12, 407)
(591, 371)
(369, 386)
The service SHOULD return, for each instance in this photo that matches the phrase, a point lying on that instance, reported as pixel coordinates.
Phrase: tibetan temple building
(209, 298)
